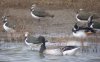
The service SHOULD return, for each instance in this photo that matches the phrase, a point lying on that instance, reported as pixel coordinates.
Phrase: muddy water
(19, 52)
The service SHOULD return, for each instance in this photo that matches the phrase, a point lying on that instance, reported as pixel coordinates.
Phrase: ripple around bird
(19, 52)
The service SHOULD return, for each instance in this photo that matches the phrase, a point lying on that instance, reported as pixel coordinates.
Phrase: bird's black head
(41, 39)
(4, 19)
(32, 7)
(43, 47)
(76, 28)
(90, 21)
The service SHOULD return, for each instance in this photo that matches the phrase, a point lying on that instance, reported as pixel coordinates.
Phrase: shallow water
(19, 52)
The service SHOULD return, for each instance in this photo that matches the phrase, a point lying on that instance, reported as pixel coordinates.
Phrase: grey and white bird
(82, 32)
(8, 27)
(93, 24)
(82, 15)
(38, 13)
(66, 50)
(33, 42)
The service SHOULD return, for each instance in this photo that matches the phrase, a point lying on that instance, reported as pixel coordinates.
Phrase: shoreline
(52, 37)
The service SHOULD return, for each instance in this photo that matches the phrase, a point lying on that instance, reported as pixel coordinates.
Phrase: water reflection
(41, 55)
(19, 52)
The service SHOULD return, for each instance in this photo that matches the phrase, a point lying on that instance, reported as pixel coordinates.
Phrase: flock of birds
(40, 42)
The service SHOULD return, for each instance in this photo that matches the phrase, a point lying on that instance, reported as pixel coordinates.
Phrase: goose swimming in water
(66, 50)
(7, 27)
(38, 13)
(35, 42)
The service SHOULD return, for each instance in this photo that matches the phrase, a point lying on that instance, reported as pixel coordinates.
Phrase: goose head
(42, 39)
(43, 47)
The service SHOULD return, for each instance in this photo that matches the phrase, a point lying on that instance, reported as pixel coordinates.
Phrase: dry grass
(87, 4)
(93, 5)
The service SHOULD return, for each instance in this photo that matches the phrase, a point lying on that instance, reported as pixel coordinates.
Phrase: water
(19, 52)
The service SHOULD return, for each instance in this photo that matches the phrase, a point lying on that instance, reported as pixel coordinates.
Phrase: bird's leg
(88, 47)
(95, 46)
(12, 37)
(38, 20)
(9, 36)
(31, 47)
(82, 45)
